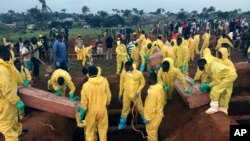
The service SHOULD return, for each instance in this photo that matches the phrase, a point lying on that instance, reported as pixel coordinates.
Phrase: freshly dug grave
(203, 127)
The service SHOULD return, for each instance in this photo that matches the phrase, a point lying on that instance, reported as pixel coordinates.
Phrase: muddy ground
(177, 119)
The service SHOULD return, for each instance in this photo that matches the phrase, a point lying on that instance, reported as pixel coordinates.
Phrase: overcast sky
(74, 6)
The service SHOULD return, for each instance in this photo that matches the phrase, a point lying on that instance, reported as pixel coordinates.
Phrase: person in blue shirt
(60, 53)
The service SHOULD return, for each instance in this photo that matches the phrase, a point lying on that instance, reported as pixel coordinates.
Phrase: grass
(14, 35)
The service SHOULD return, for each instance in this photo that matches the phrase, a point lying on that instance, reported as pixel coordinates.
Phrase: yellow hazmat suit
(159, 43)
(153, 111)
(182, 55)
(167, 52)
(79, 52)
(131, 83)
(95, 96)
(150, 53)
(9, 125)
(4, 41)
(222, 40)
(202, 75)
(121, 57)
(206, 38)
(221, 85)
(196, 43)
(135, 56)
(86, 54)
(143, 52)
(224, 60)
(169, 78)
(24, 75)
(53, 84)
(191, 46)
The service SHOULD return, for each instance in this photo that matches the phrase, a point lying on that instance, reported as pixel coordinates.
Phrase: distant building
(68, 20)
(31, 26)
(13, 25)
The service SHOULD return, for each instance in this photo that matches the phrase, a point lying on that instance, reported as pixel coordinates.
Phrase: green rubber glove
(184, 68)
(204, 87)
(73, 97)
(188, 91)
(147, 58)
(82, 114)
(128, 57)
(58, 92)
(26, 83)
(166, 87)
(193, 81)
(20, 105)
(120, 99)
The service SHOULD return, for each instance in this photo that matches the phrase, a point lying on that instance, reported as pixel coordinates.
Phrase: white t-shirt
(26, 57)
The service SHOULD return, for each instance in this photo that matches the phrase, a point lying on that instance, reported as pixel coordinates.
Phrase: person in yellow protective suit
(202, 75)
(248, 51)
(222, 56)
(151, 49)
(25, 77)
(167, 75)
(4, 41)
(143, 52)
(221, 40)
(206, 38)
(221, 85)
(9, 101)
(87, 56)
(142, 36)
(79, 48)
(159, 42)
(168, 52)
(59, 81)
(131, 83)
(197, 42)
(153, 110)
(135, 55)
(191, 46)
(121, 56)
(182, 55)
(95, 97)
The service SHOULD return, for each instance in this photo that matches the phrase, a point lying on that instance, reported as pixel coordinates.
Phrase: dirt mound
(44, 126)
(243, 70)
(204, 127)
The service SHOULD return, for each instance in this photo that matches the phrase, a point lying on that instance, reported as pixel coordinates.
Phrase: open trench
(43, 126)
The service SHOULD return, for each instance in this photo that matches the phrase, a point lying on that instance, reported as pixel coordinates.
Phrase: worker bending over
(167, 75)
(221, 84)
(25, 77)
(59, 81)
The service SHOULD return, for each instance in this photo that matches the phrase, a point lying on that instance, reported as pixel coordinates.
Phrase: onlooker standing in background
(109, 43)
(60, 54)
(26, 55)
(35, 57)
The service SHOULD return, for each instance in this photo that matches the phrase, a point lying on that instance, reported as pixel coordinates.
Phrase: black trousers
(36, 69)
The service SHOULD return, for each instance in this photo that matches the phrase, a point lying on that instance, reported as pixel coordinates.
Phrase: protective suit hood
(207, 52)
(171, 63)
(96, 80)
(224, 53)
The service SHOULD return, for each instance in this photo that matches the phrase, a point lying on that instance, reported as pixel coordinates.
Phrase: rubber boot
(224, 110)
(214, 107)
(123, 123)
(142, 68)
(144, 120)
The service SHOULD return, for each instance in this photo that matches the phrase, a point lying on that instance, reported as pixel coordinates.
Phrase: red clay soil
(44, 126)
(203, 127)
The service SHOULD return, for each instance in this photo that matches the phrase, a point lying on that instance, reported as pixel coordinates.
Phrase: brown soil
(203, 127)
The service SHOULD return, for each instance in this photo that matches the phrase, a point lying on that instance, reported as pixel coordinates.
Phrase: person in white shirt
(26, 55)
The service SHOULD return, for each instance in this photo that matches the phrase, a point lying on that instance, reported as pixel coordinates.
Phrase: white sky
(74, 6)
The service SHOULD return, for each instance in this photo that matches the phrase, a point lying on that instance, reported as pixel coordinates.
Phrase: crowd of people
(215, 72)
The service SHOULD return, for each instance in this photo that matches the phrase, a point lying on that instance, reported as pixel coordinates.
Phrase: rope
(134, 117)
(51, 127)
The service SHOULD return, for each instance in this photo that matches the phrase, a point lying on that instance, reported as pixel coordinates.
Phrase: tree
(182, 14)
(135, 11)
(102, 14)
(63, 10)
(85, 10)
(11, 12)
(45, 10)
(126, 13)
(35, 13)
